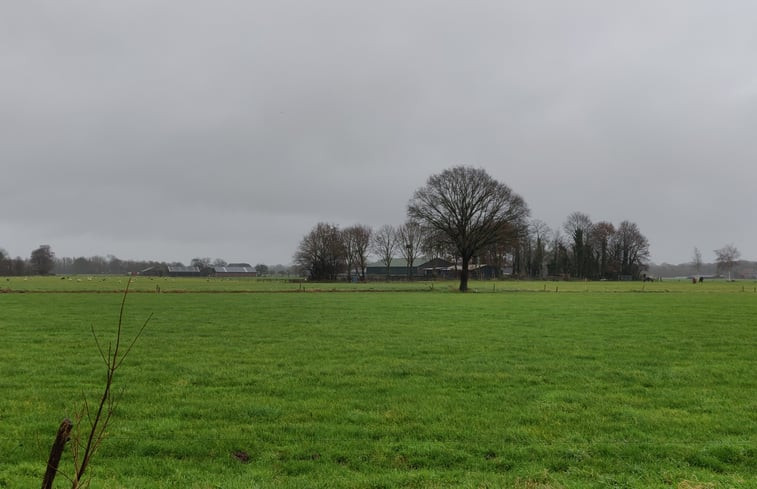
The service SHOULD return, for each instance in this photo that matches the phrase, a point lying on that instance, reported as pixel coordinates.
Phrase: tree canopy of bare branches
(631, 249)
(598, 250)
(356, 240)
(696, 260)
(469, 207)
(321, 252)
(384, 244)
(726, 257)
(410, 238)
(577, 226)
(42, 260)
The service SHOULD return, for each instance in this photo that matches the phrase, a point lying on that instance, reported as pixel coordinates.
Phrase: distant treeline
(69, 266)
(43, 261)
(103, 265)
(742, 269)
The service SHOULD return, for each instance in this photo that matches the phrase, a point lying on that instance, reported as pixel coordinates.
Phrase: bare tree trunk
(464, 275)
(64, 431)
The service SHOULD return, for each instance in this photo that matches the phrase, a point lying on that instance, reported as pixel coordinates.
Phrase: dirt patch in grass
(684, 484)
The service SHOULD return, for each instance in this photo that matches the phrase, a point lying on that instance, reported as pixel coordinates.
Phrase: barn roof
(230, 269)
(174, 269)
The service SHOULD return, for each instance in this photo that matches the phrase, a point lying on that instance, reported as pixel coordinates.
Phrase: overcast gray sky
(166, 129)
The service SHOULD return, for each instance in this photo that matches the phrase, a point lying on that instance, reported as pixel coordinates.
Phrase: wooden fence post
(55, 453)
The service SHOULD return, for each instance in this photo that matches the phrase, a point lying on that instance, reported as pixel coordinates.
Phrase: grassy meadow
(523, 384)
(116, 284)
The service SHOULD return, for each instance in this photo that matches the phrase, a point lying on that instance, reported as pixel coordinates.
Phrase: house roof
(172, 269)
(230, 269)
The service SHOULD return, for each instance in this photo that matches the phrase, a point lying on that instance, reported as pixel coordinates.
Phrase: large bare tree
(726, 257)
(577, 226)
(321, 252)
(599, 239)
(356, 239)
(384, 245)
(538, 232)
(410, 242)
(696, 260)
(630, 249)
(42, 260)
(469, 207)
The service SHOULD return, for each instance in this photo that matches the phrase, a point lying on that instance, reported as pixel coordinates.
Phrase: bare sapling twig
(99, 419)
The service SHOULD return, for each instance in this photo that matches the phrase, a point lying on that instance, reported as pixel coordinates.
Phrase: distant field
(116, 283)
(598, 385)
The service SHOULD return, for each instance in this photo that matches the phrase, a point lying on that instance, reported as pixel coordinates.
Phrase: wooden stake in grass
(64, 432)
(98, 421)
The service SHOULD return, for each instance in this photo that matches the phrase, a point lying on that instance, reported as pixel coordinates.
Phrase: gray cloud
(168, 130)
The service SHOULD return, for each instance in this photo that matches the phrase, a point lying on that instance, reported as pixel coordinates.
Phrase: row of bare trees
(529, 249)
(327, 251)
(464, 216)
(590, 250)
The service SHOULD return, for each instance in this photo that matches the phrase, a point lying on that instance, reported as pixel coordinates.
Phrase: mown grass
(420, 389)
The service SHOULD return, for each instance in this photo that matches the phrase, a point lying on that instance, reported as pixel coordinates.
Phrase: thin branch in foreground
(103, 414)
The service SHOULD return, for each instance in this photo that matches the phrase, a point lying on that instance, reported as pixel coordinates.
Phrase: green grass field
(598, 385)
(110, 283)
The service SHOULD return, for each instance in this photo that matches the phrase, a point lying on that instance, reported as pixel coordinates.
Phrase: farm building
(429, 269)
(157, 271)
(422, 268)
(234, 271)
(175, 271)
(435, 268)
(475, 271)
